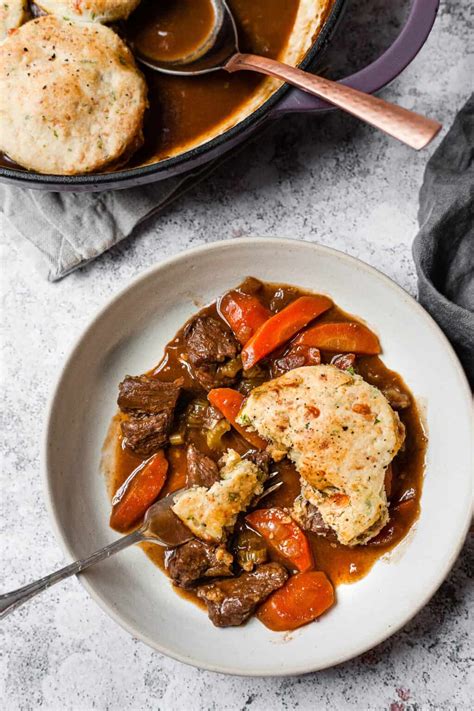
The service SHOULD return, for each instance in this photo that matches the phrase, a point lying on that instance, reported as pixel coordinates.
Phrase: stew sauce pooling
(342, 564)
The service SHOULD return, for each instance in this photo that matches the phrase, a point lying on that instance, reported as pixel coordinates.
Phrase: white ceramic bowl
(128, 336)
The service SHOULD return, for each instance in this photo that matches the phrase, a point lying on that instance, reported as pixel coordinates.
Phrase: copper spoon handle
(409, 127)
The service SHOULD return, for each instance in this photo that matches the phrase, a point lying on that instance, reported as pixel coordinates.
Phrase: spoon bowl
(210, 54)
(162, 526)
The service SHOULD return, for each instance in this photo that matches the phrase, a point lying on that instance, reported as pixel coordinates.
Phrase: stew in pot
(184, 108)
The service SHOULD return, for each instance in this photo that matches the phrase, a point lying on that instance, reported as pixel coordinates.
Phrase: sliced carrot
(282, 326)
(302, 599)
(244, 313)
(284, 535)
(176, 477)
(348, 337)
(230, 402)
(139, 492)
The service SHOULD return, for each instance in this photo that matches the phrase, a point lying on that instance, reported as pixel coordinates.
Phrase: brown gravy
(184, 109)
(342, 564)
(170, 31)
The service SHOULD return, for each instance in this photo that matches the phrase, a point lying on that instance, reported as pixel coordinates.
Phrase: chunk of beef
(209, 376)
(315, 522)
(231, 602)
(209, 341)
(283, 297)
(398, 399)
(194, 560)
(344, 361)
(251, 285)
(261, 458)
(296, 357)
(150, 405)
(146, 434)
(142, 394)
(309, 518)
(211, 417)
(208, 344)
(201, 470)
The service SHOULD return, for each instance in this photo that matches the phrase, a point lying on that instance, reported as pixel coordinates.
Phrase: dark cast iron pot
(284, 101)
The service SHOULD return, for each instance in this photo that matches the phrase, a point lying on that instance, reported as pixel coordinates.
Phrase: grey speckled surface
(333, 181)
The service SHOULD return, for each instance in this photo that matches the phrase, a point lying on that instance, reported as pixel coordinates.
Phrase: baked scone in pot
(72, 99)
(89, 10)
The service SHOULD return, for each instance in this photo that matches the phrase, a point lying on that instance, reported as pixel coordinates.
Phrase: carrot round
(138, 492)
(244, 313)
(282, 326)
(229, 402)
(345, 337)
(284, 535)
(302, 599)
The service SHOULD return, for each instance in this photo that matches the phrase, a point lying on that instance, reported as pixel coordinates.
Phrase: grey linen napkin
(70, 229)
(443, 250)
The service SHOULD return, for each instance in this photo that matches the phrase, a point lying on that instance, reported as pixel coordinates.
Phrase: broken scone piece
(209, 513)
(341, 434)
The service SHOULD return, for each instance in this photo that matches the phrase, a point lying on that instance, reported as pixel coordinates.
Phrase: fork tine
(270, 490)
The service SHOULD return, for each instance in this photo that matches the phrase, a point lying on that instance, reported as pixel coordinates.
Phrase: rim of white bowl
(44, 458)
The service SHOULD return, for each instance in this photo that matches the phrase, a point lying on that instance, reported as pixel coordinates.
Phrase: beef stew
(283, 535)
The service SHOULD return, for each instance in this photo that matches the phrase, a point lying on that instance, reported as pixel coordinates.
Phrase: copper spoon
(220, 50)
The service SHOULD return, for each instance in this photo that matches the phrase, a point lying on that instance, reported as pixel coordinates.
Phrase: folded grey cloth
(71, 229)
(444, 247)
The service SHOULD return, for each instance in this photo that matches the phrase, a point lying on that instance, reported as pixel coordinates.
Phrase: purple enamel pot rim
(384, 69)
(287, 100)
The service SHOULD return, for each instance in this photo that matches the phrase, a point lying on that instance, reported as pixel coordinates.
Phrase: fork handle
(409, 127)
(10, 601)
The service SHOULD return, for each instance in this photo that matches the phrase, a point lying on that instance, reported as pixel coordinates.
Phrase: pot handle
(385, 68)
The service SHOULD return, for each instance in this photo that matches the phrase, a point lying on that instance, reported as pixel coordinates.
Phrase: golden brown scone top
(71, 97)
(89, 10)
(341, 433)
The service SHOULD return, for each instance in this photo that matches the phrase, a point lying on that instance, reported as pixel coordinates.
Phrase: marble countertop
(330, 180)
